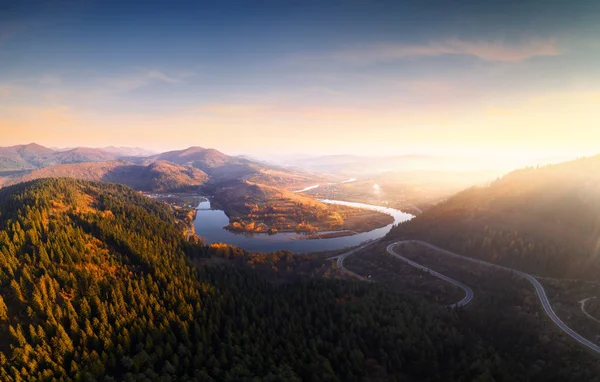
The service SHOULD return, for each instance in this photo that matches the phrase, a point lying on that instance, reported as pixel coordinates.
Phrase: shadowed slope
(543, 220)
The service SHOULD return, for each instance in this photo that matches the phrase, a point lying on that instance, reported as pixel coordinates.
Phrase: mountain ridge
(158, 176)
(544, 220)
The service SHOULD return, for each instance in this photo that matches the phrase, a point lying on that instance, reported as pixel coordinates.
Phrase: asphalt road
(468, 291)
(536, 284)
(340, 260)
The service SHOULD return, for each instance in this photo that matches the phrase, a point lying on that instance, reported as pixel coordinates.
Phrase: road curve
(536, 284)
(582, 306)
(468, 291)
(340, 260)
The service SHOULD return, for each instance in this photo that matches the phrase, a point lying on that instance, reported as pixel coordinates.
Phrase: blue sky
(249, 76)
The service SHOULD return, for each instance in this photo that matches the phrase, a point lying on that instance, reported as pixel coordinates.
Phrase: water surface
(209, 225)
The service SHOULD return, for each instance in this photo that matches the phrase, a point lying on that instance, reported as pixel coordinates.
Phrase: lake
(209, 225)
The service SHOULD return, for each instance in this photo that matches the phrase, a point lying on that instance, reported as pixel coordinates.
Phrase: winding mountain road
(536, 284)
(340, 260)
(469, 293)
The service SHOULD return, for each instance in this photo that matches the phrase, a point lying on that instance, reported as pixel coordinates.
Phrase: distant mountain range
(234, 182)
(157, 176)
(173, 170)
(361, 166)
(32, 156)
(356, 165)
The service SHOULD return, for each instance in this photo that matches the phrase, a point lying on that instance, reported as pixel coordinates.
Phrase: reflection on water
(209, 225)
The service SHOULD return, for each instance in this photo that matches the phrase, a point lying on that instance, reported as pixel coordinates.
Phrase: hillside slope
(543, 220)
(32, 156)
(23, 156)
(197, 164)
(95, 285)
(223, 168)
(156, 177)
(213, 162)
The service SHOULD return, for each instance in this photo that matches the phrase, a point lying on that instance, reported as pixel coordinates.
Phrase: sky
(452, 77)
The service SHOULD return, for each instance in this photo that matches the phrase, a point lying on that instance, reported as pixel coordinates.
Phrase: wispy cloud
(499, 51)
(145, 77)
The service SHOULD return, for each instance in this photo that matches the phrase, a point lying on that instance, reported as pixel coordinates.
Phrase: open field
(284, 215)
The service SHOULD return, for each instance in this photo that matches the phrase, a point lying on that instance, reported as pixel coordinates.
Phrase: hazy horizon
(441, 161)
(513, 79)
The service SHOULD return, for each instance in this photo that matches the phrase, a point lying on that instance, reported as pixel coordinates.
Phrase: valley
(300, 191)
(284, 224)
(146, 284)
(411, 191)
(257, 197)
(210, 226)
(503, 306)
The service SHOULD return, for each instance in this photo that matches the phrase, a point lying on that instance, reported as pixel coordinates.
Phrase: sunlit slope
(222, 168)
(157, 176)
(544, 220)
(86, 269)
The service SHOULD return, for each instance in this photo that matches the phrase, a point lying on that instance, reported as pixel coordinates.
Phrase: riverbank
(332, 218)
(257, 208)
(210, 223)
(328, 235)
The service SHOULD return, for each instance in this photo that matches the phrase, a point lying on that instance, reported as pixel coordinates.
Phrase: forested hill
(95, 285)
(542, 220)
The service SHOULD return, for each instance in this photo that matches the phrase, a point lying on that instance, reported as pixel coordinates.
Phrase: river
(209, 225)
